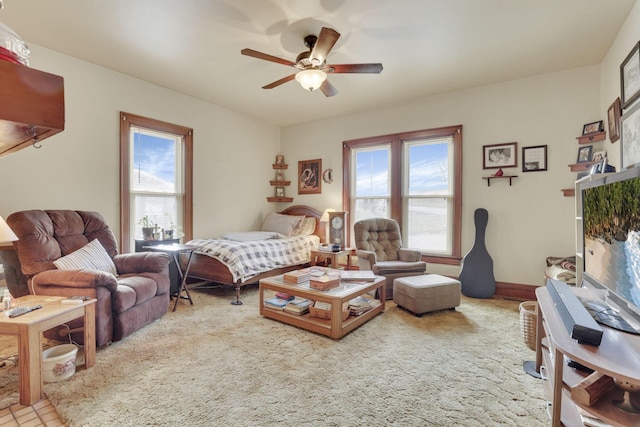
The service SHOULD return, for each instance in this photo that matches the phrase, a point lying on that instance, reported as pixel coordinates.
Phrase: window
(414, 178)
(156, 177)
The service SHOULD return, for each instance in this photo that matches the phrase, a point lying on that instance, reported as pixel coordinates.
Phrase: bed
(213, 267)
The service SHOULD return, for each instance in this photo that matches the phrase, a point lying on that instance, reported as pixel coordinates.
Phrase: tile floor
(41, 413)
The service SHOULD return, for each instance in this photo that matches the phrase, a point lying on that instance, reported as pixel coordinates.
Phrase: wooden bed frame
(206, 268)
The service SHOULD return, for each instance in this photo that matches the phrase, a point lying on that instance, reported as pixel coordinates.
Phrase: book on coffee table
(357, 275)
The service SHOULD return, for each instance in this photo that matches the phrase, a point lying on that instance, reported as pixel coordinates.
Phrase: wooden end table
(29, 327)
(318, 256)
(175, 250)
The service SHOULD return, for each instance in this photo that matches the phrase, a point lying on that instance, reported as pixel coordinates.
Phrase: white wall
(79, 167)
(627, 38)
(529, 220)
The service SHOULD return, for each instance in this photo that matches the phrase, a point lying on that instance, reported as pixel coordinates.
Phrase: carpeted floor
(215, 364)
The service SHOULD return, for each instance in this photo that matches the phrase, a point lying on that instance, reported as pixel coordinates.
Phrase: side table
(174, 276)
(318, 256)
(176, 249)
(29, 327)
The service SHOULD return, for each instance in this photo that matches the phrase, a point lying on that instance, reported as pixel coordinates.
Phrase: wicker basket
(529, 322)
(326, 314)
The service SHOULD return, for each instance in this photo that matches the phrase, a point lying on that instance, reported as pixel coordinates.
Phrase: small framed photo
(279, 176)
(584, 154)
(279, 191)
(279, 159)
(497, 156)
(630, 77)
(309, 172)
(630, 137)
(593, 127)
(613, 120)
(598, 156)
(534, 159)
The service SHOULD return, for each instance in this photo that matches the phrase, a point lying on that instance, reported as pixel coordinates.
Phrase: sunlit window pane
(371, 208)
(428, 168)
(154, 163)
(372, 173)
(428, 224)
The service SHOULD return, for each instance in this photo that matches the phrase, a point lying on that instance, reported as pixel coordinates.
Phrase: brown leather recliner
(137, 296)
(379, 248)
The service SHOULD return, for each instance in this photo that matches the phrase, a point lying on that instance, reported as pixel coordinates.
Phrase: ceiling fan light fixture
(311, 79)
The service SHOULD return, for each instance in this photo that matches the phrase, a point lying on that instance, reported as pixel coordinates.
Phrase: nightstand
(331, 258)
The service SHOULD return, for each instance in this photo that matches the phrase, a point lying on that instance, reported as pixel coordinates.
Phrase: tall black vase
(476, 274)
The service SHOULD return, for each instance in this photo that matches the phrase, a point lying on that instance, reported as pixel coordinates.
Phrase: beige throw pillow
(92, 256)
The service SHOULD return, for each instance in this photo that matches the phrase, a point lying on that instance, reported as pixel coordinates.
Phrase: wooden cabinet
(280, 183)
(31, 106)
(618, 356)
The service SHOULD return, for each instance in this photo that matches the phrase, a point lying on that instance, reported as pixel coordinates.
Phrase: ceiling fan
(312, 64)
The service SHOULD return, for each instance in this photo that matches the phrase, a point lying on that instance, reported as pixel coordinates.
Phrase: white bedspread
(248, 259)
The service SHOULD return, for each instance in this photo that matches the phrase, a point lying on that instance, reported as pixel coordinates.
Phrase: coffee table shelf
(335, 327)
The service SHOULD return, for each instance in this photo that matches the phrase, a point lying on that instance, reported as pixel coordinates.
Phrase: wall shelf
(568, 192)
(280, 183)
(592, 137)
(280, 199)
(489, 178)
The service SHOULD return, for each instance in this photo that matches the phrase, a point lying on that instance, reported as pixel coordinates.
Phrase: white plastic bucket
(59, 362)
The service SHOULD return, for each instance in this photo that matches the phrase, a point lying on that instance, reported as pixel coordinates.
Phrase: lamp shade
(6, 234)
(311, 79)
(325, 215)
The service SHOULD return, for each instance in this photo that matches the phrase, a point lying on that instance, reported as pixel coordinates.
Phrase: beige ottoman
(429, 292)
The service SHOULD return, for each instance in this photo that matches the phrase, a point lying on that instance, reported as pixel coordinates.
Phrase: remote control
(19, 311)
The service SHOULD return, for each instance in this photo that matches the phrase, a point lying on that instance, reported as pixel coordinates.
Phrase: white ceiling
(425, 46)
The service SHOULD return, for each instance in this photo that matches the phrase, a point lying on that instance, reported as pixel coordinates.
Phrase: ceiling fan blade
(355, 68)
(328, 89)
(327, 38)
(266, 57)
(279, 82)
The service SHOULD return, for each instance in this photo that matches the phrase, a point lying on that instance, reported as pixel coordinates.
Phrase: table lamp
(6, 234)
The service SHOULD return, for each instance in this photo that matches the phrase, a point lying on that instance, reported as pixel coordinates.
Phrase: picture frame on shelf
(593, 127)
(534, 159)
(630, 137)
(630, 77)
(613, 120)
(309, 172)
(279, 192)
(584, 154)
(279, 176)
(497, 156)
(279, 159)
(598, 156)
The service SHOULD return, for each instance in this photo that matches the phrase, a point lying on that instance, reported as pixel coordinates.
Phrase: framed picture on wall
(630, 77)
(500, 156)
(593, 127)
(309, 172)
(613, 119)
(630, 137)
(534, 159)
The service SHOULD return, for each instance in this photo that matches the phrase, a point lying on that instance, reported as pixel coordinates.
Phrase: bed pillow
(91, 256)
(306, 227)
(251, 236)
(279, 223)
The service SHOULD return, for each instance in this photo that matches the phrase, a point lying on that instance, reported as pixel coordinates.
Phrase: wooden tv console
(618, 356)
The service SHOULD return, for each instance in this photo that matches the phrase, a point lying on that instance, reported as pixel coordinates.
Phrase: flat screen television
(611, 239)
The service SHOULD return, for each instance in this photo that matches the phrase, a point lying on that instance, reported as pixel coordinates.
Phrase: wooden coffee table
(334, 328)
(29, 327)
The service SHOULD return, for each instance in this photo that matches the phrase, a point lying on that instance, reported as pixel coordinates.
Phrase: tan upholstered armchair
(379, 248)
(133, 295)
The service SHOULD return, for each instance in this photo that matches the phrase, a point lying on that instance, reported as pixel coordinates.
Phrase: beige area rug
(215, 364)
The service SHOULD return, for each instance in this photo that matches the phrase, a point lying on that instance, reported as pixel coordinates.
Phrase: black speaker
(575, 317)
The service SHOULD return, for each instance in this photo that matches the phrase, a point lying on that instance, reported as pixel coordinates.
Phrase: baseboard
(517, 291)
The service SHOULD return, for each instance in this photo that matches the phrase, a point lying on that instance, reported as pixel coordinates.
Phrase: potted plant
(147, 228)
